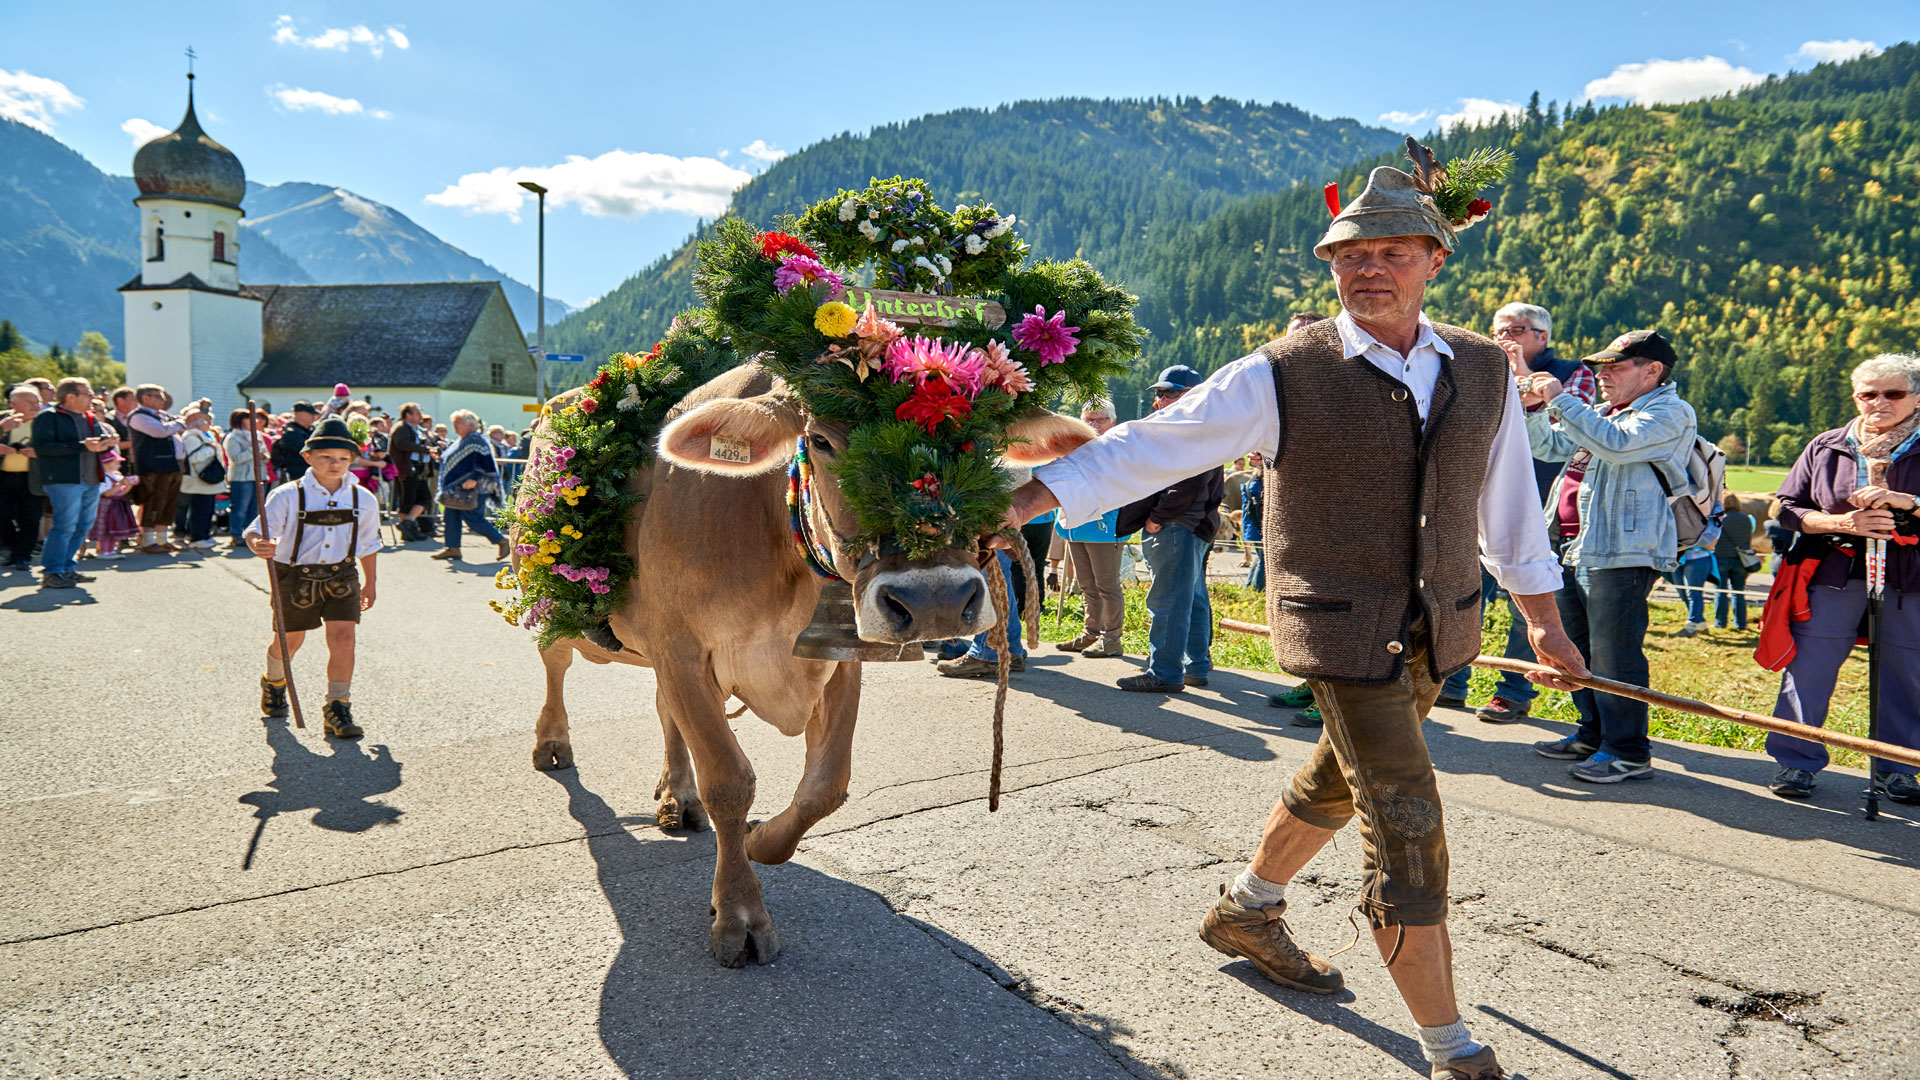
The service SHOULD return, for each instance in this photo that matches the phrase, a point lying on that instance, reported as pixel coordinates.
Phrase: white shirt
(1235, 412)
(322, 543)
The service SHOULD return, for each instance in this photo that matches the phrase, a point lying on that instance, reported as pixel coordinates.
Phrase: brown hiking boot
(1106, 647)
(1262, 937)
(273, 697)
(1078, 643)
(339, 720)
(1481, 1066)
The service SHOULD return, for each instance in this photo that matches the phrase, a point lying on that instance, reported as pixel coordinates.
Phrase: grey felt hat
(1392, 205)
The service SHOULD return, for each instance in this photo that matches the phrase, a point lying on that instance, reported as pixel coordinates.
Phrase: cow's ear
(1039, 437)
(735, 436)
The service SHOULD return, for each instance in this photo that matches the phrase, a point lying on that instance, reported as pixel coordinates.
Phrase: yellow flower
(834, 319)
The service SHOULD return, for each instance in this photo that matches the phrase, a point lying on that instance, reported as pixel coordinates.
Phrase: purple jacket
(1821, 481)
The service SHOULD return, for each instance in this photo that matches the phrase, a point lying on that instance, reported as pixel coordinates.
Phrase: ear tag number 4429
(734, 450)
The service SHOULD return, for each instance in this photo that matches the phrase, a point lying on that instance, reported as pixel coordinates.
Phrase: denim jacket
(1624, 516)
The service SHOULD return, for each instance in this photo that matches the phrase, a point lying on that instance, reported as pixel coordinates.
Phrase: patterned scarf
(1878, 451)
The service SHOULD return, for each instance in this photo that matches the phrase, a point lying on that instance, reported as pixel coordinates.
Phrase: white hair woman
(1858, 482)
(468, 478)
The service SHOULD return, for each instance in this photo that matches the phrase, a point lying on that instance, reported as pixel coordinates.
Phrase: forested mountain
(69, 238)
(1772, 234)
(1110, 180)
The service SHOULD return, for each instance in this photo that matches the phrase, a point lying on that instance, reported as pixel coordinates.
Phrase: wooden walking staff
(1871, 747)
(273, 579)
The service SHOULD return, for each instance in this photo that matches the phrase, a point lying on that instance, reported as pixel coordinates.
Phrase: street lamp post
(540, 303)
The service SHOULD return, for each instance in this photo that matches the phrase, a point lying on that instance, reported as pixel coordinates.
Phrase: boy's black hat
(1638, 345)
(332, 434)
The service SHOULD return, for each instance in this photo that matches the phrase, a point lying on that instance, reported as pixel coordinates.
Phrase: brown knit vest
(1371, 520)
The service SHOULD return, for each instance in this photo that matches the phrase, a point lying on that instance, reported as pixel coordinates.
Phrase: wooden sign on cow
(922, 309)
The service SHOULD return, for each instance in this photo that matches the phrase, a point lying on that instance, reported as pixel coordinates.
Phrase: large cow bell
(831, 634)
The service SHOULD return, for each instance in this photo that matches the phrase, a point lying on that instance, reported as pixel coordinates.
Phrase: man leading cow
(1406, 439)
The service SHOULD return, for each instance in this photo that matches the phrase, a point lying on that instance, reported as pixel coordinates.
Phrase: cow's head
(898, 598)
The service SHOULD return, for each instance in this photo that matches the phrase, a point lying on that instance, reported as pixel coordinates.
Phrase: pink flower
(800, 270)
(922, 359)
(1003, 371)
(1052, 338)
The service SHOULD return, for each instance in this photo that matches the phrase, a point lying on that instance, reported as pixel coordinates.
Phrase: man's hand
(11, 420)
(98, 443)
(1030, 500)
(1874, 496)
(1550, 642)
(469, 485)
(1152, 526)
(262, 548)
(27, 452)
(1516, 357)
(1875, 524)
(6, 450)
(1540, 390)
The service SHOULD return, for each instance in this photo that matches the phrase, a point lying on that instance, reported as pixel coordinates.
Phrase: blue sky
(641, 116)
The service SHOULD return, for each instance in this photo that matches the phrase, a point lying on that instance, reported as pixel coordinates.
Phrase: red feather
(1333, 199)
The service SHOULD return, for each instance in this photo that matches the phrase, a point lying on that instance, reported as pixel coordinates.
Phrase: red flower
(967, 447)
(1479, 208)
(932, 403)
(929, 484)
(587, 404)
(599, 381)
(774, 244)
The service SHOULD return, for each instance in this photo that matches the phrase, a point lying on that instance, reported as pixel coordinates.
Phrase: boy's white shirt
(322, 543)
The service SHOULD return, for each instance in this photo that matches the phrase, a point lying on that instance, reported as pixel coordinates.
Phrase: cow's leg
(678, 798)
(690, 697)
(823, 786)
(552, 749)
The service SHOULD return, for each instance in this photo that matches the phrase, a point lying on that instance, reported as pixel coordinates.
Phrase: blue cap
(1178, 377)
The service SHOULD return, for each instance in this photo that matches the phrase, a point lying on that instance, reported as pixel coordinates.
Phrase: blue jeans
(1182, 617)
(73, 508)
(1257, 573)
(1514, 688)
(240, 508)
(1690, 577)
(1605, 614)
(475, 519)
(983, 651)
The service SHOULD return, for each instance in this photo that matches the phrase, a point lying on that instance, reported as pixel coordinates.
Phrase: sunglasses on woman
(1876, 395)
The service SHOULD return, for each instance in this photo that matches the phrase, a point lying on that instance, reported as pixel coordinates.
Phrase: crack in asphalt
(190, 909)
(1015, 765)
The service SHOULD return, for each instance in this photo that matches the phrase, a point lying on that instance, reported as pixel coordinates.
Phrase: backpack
(213, 471)
(1698, 504)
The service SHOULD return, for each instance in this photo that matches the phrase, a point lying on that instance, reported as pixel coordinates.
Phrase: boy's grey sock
(1250, 890)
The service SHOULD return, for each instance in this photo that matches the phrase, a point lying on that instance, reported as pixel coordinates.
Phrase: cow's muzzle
(928, 603)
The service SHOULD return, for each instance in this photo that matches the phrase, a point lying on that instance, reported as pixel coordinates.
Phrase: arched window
(159, 244)
(219, 246)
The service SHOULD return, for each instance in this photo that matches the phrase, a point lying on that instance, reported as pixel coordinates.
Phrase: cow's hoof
(552, 755)
(734, 942)
(676, 816)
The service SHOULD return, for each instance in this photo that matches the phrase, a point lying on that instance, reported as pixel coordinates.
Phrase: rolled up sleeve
(1513, 527)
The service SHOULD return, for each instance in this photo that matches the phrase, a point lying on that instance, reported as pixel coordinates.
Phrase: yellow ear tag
(734, 450)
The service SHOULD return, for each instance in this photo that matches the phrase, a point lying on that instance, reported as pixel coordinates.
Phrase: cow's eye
(823, 444)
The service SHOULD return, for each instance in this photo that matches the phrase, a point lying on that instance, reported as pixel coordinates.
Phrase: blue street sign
(566, 358)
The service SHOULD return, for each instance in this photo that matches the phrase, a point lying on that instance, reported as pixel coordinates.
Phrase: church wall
(188, 228)
(158, 328)
(226, 335)
(495, 339)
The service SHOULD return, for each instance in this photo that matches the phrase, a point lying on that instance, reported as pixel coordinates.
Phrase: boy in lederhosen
(320, 524)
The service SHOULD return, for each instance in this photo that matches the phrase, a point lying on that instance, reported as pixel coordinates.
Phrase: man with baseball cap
(1613, 531)
(1179, 523)
(1399, 447)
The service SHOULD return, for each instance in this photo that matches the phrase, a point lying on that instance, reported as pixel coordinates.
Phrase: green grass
(1754, 479)
(1714, 666)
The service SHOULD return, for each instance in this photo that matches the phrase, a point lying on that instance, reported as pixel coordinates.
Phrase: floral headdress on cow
(928, 381)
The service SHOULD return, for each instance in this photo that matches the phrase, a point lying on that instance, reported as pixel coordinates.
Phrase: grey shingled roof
(366, 335)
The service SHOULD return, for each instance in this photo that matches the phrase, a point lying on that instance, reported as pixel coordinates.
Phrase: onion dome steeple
(187, 162)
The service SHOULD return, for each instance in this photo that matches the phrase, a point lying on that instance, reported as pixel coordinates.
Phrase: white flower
(919, 241)
(946, 264)
(975, 245)
(899, 246)
(867, 230)
(872, 212)
(961, 209)
(923, 262)
(631, 401)
(995, 230)
(848, 210)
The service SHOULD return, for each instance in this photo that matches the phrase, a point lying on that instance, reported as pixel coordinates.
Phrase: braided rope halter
(800, 511)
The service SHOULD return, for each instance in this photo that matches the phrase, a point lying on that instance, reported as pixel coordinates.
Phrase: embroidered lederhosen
(313, 593)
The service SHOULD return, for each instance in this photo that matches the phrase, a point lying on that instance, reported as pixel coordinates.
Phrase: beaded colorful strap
(799, 507)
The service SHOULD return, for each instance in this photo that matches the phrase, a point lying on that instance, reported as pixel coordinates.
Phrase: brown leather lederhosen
(314, 593)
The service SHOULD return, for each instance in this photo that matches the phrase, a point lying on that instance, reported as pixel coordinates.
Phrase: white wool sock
(1448, 1042)
(276, 669)
(1250, 890)
(340, 691)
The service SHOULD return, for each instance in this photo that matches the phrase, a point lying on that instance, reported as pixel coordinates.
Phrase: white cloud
(34, 99)
(340, 39)
(296, 99)
(1403, 120)
(1828, 52)
(1475, 111)
(143, 131)
(1666, 82)
(615, 184)
(761, 152)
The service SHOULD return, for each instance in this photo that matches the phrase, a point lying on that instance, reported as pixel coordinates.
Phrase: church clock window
(159, 244)
(220, 247)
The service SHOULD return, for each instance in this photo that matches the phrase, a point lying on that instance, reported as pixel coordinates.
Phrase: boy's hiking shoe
(339, 720)
(1262, 937)
(273, 697)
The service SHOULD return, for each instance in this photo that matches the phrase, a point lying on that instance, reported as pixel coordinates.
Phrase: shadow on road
(1142, 714)
(339, 785)
(857, 992)
(1330, 1010)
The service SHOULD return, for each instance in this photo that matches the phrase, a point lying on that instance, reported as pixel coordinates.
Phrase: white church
(193, 327)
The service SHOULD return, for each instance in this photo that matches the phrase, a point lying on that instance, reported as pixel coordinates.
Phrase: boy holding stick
(321, 523)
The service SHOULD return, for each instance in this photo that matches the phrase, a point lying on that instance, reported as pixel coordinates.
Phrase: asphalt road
(186, 890)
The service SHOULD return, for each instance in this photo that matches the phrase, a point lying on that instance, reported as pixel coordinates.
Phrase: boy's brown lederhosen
(324, 592)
